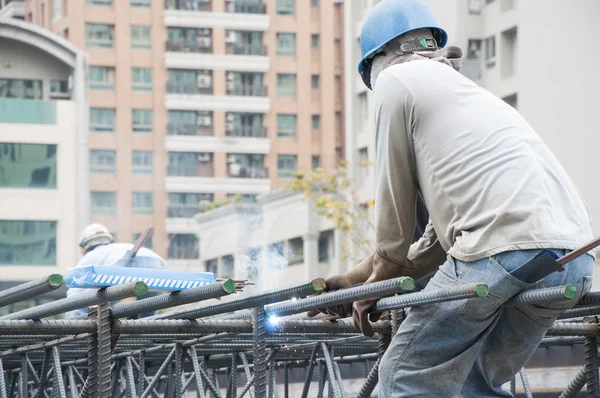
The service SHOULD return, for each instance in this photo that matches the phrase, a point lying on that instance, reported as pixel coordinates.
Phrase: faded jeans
(470, 348)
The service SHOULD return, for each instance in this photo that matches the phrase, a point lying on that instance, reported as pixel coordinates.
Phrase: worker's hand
(383, 268)
(355, 276)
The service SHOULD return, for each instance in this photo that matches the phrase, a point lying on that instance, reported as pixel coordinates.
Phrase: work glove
(355, 276)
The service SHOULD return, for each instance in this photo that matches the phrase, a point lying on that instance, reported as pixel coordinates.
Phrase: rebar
(575, 385)
(30, 289)
(539, 296)
(572, 329)
(525, 382)
(210, 291)
(260, 362)
(305, 289)
(61, 306)
(330, 371)
(424, 297)
(378, 289)
(591, 361)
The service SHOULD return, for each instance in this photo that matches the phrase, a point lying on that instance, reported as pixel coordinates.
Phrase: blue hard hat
(392, 18)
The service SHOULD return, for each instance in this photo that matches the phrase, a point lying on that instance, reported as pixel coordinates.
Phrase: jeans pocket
(483, 307)
(484, 271)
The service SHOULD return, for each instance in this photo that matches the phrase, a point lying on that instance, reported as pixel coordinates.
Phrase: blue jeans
(470, 348)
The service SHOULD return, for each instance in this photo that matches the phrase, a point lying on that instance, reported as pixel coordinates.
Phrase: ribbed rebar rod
(210, 291)
(331, 371)
(141, 371)
(46, 344)
(44, 372)
(432, 296)
(187, 385)
(539, 296)
(563, 340)
(370, 382)
(591, 360)
(580, 311)
(333, 342)
(259, 354)
(214, 390)
(378, 289)
(305, 289)
(525, 381)
(322, 373)
(309, 371)
(159, 372)
(249, 376)
(575, 385)
(129, 379)
(58, 377)
(3, 393)
(179, 326)
(513, 386)
(23, 377)
(104, 332)
(272, 385)
(246, 388)
(592, 298)
(572, 329)
(234, 381)
(61, 306)
(52, 327)
(30, 289)
(340, 326)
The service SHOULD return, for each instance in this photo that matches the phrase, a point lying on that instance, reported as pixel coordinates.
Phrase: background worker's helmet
(390, 19)
(94, 235)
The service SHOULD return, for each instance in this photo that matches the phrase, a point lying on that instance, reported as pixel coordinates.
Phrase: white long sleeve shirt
(489, 181)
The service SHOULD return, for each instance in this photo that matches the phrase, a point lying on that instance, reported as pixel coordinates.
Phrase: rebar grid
(105, 356)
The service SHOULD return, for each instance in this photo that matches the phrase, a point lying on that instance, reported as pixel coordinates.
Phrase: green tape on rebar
(406, 283)
(55, 280)
(570, 291)
(140, 288)
(481, 290)
(229, 286)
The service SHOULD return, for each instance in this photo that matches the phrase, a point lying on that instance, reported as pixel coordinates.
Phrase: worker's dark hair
(95, 246)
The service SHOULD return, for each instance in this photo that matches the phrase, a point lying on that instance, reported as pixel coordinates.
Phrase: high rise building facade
(43, 152)
(195, 101)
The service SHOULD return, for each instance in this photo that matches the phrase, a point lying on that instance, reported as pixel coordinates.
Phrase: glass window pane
(142, 162)
(315, 82)
(183, 246)
(316, 162)
(21, 88)
(102, 119)
(141, 36)
(316, 122)
(286, 44)
(99, 35)
(286, 125)
(103, 162)
(141, 120)
(286, 165)
(286, 7)
(27, 166)
(104, 203)
(286, 86)
(141, 79)
(315, 41)
(27, 242)
(143, 203)
(141, 3)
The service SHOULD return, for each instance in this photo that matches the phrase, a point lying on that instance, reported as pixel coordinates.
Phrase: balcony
(183, 210)
(188, 47)
(247, 90)
(247, 131)
(27, 111)
(200, 170)
(245, 49)
(237, 171)
(189, 129)
(245, 8)
(189, 5)
(188, 88)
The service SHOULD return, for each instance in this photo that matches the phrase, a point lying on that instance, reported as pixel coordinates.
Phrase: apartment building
(12, 9)
(43, 152)
(193, 101)
(523, 52)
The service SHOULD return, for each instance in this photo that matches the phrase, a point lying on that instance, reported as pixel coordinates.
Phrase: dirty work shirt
(109, 255)
(488, 180)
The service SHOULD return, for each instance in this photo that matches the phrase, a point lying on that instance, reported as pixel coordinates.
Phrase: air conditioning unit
(229, 86)
(230, 117)
(204, 81)
(229, 127)
(231, 37)
(203, 41)
(204, 157)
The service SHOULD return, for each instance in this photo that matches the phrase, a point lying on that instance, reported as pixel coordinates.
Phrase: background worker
(98, 248)
(496, 196)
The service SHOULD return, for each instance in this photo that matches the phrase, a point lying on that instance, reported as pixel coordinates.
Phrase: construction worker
(496, 197)
(98, 248)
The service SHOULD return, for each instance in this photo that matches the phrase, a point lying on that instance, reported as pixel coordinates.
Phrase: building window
(324, 249)
(102, 78)
(314, 3)
(227, 267)
(27, 242)
(141, 79)
(184, 205)
(141, 36)
(490, 51)
(142, 162)
(21, 88)
(316, 122)
(103, 162)
(316, 162)
(141, 120)
(57, 12)
(244, 165)
(286, 125)
(286, 7)
(182, 81)
(315, 82)
(104, 203)
(141, 3)
(106, 3)
(190, 123)
(212, 266)
(314, 39)
(475, 6)
(143, 203)
(286, 86)
(59, 88)
(244, 125)
(183, 246)
(27, 166)
(245, 84)
(99, 35)
(286, 44)
(190, 164)
(286, 165)
(135, 237)
(189, 40)
(102, 119)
